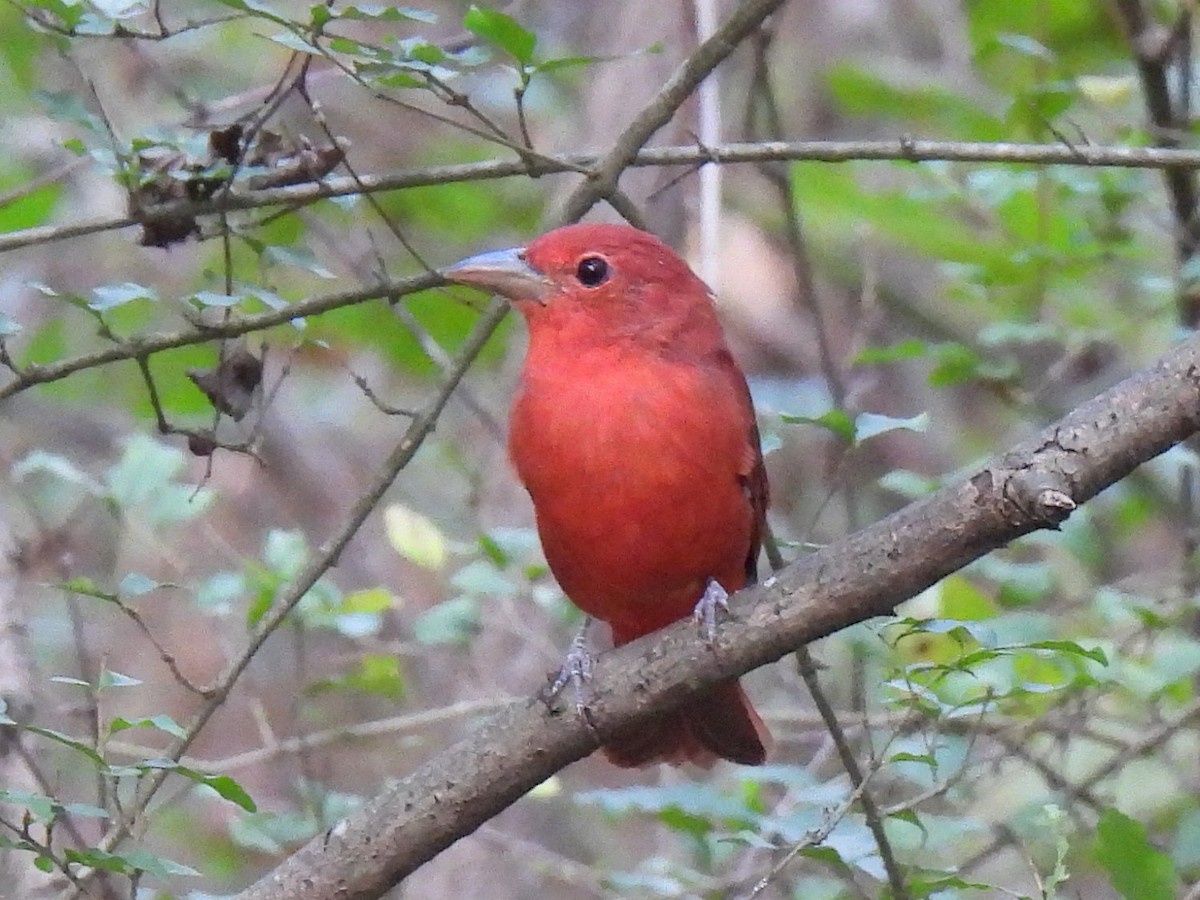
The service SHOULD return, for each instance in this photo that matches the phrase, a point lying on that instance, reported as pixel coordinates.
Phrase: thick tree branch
(1034, 485)
(903, 149)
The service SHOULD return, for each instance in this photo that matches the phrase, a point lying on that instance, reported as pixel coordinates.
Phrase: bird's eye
(592, 271)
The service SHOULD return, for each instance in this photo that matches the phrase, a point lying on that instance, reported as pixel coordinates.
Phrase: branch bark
(901, 150)
(1034, 485)
(146, 345)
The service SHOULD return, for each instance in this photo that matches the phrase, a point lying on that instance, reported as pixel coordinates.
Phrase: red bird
(634, 434)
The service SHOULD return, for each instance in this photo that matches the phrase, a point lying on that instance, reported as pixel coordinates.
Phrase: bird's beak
(503, 272)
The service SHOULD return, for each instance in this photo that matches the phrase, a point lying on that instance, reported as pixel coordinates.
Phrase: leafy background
(1027, 728)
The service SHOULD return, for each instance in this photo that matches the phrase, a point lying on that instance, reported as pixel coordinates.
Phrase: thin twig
(148, 344)
(808, 672)
(686, 155)
(1169, 120)
(390, 727)
(816, 837)
(602, 180)
(327, 557)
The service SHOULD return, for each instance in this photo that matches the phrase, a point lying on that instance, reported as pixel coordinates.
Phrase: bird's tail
(720, 724)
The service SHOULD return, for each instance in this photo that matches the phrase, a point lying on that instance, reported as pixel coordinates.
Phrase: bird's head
(612, 273)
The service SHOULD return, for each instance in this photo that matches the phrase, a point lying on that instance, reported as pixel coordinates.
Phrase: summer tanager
(634, 434)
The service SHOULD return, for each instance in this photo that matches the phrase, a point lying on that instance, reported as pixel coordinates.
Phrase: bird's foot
(705, 614)
(576, 671)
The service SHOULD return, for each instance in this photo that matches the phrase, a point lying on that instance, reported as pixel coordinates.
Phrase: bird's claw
(705, 614)
(576, 671)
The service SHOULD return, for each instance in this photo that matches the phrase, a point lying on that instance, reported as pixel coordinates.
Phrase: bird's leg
(705, 614)
(576, 669)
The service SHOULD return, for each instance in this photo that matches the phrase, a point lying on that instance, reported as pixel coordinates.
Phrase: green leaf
(957, 363)
(135, 584)
(273, 833)
(99, 859)
(874, 356)
(85, 587)
(220, 301)
(119, 9)
(959, 598)
(930, 884)
(143, 479)
(1095, 654)
(506, 546)
(285, 552)
(835, 420)
(225, 786)
(219, 592)
(128, 863)
(40, 807)
(860, 92)
(67, 679)
(451, 622)
(257, 8)
(382, 13)
(377, 674)
(922, 758)
(30, 209)
(503, 31)
(65, 740)
(415, 537)
(300, 257)
(1026, 46)
(571, 62)
(481, 579)
(40, 461)
(1186, 850)
(293, 41)
(111, 679)
(161, 722)
(368, 600)
(695, 800)
(229, 789)
(868, 425)
(1136, 869)
(113, 295)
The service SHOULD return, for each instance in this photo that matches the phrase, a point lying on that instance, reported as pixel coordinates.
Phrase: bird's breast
(635, 466)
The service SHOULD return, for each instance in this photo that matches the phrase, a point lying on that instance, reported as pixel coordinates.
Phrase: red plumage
(634, 433)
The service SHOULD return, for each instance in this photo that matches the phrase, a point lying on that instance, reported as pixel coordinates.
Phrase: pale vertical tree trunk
(18, 876)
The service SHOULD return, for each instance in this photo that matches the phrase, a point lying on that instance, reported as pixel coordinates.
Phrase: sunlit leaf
(415, 537)
(868, 425)
(1107, 90)
(503, 31)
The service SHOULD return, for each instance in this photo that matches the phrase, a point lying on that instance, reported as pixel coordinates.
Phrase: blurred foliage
(1028, 725)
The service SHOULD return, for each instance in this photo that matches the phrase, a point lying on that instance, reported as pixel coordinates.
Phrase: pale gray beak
(503, 272)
